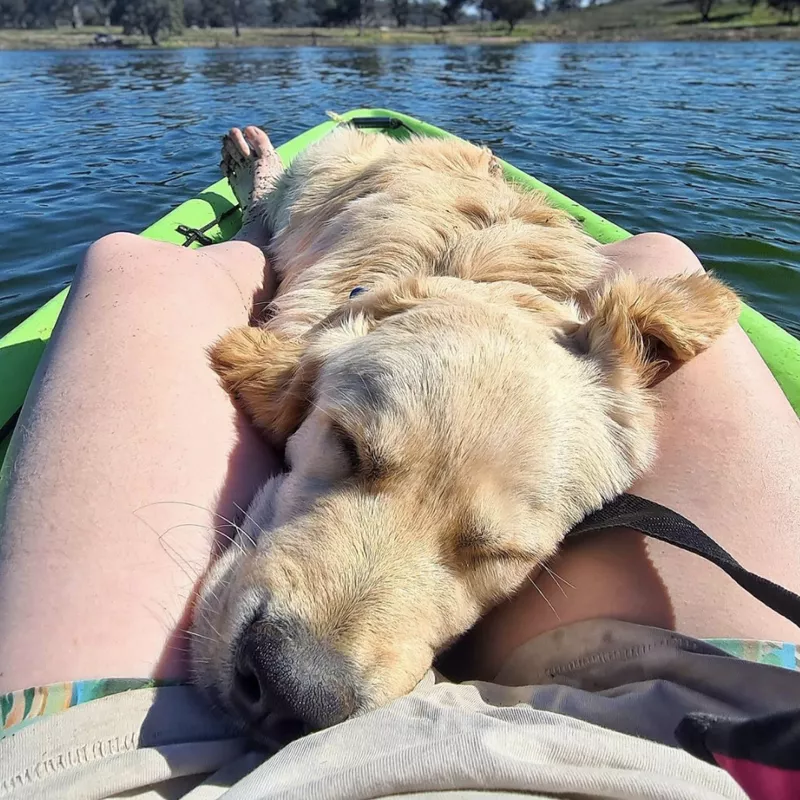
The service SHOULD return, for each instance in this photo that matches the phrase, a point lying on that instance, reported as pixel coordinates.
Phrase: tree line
(154, 18)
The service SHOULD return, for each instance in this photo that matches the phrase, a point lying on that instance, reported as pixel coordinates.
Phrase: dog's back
(357, 209)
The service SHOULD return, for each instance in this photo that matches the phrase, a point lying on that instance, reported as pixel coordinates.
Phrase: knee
(136, 267)
(654, 255)
(117, 254)
(671, 252)
(113, 245)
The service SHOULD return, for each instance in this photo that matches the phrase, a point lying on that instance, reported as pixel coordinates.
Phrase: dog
(455, 387)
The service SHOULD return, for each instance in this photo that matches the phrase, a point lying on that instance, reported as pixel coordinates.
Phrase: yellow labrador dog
(445, 426)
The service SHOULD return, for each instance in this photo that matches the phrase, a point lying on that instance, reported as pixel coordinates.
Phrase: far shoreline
(475, 34)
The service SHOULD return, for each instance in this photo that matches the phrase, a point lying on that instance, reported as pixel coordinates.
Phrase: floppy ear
(272, 376)
(649, 325)
(268, 375)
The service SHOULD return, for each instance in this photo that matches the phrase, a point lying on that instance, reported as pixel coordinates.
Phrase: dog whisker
(242, 531)
(557, 579)
(560, 578)
(212, 593)
(233, 540)
(190, 505)
(221, 584)
(544, 597)
(178, 649)
(160, 617)
(208, 528)
(207, 621)
(197, 635)
(214, 531)
(182, 563)
(174, 555)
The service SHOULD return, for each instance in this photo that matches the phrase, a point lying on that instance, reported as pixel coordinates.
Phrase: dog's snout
(282, 669)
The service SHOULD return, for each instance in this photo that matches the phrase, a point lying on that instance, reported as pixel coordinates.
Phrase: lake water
(701, 140)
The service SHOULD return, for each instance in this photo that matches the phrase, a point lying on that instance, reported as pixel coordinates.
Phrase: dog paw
(250, 163)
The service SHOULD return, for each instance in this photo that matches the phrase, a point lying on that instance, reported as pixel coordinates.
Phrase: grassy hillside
(667, 19)
(618, 20)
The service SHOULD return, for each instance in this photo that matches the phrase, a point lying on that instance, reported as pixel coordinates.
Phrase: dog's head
(443, 437)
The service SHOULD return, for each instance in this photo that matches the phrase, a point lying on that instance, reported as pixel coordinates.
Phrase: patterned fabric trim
(776, 654)
(18, 709)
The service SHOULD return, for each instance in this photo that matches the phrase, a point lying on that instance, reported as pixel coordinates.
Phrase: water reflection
(337, 66)
(157, 72)
(79, 75)
(477, 68)
(280, 67)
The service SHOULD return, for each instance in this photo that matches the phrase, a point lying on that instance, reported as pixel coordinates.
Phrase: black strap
(193, 235)
(383, 123)
(652, 519)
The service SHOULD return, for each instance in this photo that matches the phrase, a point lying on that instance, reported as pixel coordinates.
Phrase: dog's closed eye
(478, 545)
(363, 458)
(348, 446)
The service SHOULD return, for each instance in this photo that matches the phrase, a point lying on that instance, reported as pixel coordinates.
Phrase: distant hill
(665, 19)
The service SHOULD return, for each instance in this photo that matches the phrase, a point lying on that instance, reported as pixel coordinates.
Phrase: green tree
(366, 14)
(401, 9)
(213, 13)
(279, 10)
(235, 10)
(239, 13)
(510, 11)
(704, 7)
(176, 16)
(153, 17)
(451, 11)
(193, 13)
(47, 13)
(103, 9)
(336, 12)
(12, 13)
(423, 11)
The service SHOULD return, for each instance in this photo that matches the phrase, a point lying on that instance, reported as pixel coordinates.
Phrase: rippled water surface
(698, 139)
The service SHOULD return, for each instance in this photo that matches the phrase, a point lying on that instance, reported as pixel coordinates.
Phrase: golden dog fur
(446, 428)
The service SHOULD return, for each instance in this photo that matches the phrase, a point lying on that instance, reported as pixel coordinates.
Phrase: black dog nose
(281, 667)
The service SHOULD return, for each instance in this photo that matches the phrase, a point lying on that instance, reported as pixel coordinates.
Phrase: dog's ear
(650, 325)
(269, 376)
(272, 376)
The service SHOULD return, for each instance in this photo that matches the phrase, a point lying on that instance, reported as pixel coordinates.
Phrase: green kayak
(213, 216)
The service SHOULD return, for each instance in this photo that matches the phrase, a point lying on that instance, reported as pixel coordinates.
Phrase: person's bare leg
(729, 450)
(125, 435)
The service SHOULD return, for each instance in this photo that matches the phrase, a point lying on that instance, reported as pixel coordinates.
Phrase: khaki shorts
(588, 710)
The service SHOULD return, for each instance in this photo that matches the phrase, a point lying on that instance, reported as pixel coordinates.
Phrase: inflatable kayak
(213, 216)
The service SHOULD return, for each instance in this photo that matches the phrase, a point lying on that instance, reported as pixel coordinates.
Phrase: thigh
(729, 447)
(127, 455)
